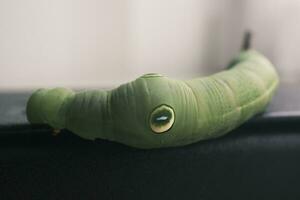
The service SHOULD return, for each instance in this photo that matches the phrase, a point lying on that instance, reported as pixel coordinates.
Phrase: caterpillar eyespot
(162, 119)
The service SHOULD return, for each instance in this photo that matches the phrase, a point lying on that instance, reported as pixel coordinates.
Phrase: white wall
(98, 43)
(62, 42)
(177, 38)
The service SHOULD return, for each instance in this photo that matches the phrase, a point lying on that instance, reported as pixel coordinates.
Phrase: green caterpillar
(155, 111)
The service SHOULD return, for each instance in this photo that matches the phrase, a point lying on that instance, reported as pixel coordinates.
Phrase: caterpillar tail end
(48, 106)
(247, 41)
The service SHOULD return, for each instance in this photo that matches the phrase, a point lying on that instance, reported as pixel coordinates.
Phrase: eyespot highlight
(162, 119)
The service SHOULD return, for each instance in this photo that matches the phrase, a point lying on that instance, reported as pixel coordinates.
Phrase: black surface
(260, 160)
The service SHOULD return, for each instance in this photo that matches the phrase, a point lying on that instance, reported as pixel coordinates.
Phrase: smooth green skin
(204, 108)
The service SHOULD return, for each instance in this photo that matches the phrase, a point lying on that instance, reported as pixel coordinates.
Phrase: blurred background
(97, 43)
